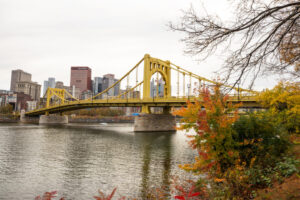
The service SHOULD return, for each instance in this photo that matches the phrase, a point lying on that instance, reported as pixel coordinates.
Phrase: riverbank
(88, 119)
(9, 118)
(77, 119)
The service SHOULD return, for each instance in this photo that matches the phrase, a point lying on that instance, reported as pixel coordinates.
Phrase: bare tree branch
(264, 38)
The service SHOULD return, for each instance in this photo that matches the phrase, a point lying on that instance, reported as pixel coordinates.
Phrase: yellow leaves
(283, 93)
(283, 103)
(192, 167)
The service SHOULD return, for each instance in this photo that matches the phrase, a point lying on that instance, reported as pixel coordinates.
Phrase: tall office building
(31, 88)
(45, 87)
(157, 88)
(117, 88)
(81, 78)
(50, 83)
(108, 81)
(17, 76)
(98, 81)
(21, 83)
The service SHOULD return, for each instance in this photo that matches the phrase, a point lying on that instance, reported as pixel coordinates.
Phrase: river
(77, 160)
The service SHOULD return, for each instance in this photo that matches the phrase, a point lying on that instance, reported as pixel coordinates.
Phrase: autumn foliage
(283, 103)
(237, 154)
(212, 120)
(48, 196)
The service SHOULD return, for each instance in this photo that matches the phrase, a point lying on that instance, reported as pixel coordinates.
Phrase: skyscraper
(81, 78)
(45, 87)
(108, 81)
(157, 88)
(31, 88)
(18, 76)
(98, 81)
(21, 83)
(50, 83)
(117, 88)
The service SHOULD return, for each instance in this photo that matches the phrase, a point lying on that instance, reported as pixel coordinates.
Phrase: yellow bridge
(140, 95)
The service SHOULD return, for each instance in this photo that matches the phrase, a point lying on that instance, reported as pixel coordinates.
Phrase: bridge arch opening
(157, 85)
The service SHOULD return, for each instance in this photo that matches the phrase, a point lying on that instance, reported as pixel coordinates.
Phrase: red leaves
(48, 196)
(186, 195)
(203, 155)
(103, 197)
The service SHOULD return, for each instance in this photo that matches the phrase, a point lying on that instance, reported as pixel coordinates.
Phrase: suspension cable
(107, 89)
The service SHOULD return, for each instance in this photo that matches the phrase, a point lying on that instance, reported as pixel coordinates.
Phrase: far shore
(77, 119)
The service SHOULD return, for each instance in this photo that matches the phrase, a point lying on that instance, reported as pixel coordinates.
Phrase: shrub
(260, 140)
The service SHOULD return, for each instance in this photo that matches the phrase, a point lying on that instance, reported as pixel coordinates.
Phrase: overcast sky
(47, 37)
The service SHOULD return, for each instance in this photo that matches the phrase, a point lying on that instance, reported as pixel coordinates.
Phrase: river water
(77, 160)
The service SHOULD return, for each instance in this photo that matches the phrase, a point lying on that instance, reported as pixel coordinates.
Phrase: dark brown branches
(264, 39)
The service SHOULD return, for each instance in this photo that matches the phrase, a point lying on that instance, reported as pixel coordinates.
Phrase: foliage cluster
(6, 109)
(283, 102)
(237, 154)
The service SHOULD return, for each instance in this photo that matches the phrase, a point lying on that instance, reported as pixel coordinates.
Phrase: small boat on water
(103, 123)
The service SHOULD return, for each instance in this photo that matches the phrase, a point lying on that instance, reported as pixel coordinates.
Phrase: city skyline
(88, 35)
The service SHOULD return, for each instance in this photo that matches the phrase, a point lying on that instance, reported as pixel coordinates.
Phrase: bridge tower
(54, 119)
(155, 122)
(152, 66)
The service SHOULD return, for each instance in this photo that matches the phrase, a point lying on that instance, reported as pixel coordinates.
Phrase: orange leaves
(189, 114)
(218, 180)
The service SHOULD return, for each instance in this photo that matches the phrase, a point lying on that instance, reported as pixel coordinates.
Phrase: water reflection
(159, 141)
(77, 160)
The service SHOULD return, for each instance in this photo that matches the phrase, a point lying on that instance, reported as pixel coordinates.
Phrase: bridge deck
(248, 101)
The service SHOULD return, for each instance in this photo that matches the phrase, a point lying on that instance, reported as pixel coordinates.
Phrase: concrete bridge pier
(154, 122)
(26, 119)
(53, 119)
(147, 122)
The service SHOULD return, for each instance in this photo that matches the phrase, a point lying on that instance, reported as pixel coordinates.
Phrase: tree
(237, 154)
(263, 38)
(283, 103)
(214, 134)
(7, 109)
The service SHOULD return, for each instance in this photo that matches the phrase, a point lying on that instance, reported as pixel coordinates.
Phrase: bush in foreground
(238, 154)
